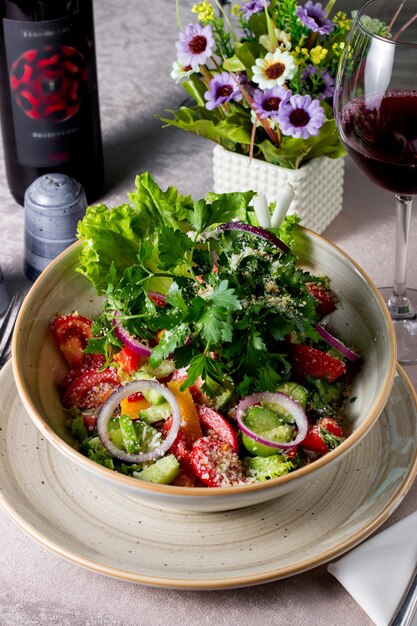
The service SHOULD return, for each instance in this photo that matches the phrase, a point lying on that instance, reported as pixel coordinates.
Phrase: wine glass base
(405, 329)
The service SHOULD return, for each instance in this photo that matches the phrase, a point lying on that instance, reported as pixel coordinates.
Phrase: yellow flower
(235, 10)
(341, 20)
(318, 54)
(205, 11)
(338, 48)
(302, 52)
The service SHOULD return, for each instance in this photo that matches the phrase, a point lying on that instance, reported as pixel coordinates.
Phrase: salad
(212, 362)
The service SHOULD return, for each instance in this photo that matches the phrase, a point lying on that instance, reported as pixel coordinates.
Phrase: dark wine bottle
(49, 103)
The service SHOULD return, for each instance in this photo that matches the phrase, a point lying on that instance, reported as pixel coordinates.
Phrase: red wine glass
(376, 114)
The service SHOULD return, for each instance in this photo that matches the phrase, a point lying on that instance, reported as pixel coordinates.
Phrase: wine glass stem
(399, 305)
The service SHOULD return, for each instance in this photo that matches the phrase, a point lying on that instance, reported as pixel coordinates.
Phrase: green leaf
(97, 345)
(158, 207)
(215, 326)
(234, 64)
(196, 368)
(172, 247)
(227, 206)
(257, 341)
(103, 231)
(169, 341)
(196, 89)
(175, 298)
(200, 216)
(233, 129)
(225, 297)
(219, 208)
(117, 235)
(246, 54)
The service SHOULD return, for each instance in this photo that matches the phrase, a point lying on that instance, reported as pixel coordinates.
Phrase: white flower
(274, 69)
(180, 71)
(282, 40)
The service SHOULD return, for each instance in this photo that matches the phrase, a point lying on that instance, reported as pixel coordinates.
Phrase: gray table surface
(135, 48)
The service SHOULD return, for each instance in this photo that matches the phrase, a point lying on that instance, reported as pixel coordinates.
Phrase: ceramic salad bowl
(361, 319)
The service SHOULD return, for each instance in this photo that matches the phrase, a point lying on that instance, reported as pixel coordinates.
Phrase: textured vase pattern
(318, 185)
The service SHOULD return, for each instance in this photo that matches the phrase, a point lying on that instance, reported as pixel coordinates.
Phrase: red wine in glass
(382, 139)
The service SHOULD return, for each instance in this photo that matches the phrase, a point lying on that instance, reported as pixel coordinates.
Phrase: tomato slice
(128, 360)
(90, 421)
(90, 362)
(326, 300)
(180, 449)
(184, 480)
(323, 436)
(91, 389)
(71, 333)
(214, 424)
(215, 463)
(314, 362)
(157, 298)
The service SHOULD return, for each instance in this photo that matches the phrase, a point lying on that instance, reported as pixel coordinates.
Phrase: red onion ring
(284, 401)
(255, 230)
(113, 401)
(128, 340)
(336, 343)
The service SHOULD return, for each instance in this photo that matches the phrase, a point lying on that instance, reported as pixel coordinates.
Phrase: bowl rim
(213, 492)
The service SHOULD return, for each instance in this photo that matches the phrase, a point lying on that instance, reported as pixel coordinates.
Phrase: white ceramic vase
(318, 185)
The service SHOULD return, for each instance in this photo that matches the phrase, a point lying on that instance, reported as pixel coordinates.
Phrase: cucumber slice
(164, 369)
(156, 413)
(152, 396)
(296, 391)
(130, 440)
(163, 471)
(117, 437)
(261, 418)
(282, 433)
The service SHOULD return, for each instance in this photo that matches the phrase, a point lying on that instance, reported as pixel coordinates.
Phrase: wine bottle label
(49, 79)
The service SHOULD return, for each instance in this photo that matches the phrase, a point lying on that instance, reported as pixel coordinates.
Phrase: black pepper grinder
(54, 203)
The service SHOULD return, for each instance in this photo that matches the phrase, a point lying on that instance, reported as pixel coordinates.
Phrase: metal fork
(7, 326)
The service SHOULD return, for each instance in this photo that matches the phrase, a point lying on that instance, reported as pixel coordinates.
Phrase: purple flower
(196, 45)
(314, 17)
(253, 6)
(267, 103)
(321, 85)
(222, 88)
(301, 117)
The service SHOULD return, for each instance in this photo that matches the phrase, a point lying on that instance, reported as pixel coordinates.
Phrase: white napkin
(378, 572)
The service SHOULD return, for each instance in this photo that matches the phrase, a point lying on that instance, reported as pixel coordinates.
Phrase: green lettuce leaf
(150, 232)
(124, 233)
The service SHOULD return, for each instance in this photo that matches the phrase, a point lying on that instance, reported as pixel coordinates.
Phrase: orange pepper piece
(159, 335)
(190, 423)
(132, 408)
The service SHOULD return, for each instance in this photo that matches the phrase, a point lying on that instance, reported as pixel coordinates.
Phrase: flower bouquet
(262, 78)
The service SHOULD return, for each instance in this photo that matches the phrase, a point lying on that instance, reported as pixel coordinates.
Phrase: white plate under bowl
(90, 523)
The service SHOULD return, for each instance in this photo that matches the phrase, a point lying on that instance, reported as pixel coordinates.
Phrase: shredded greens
(232, 298)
